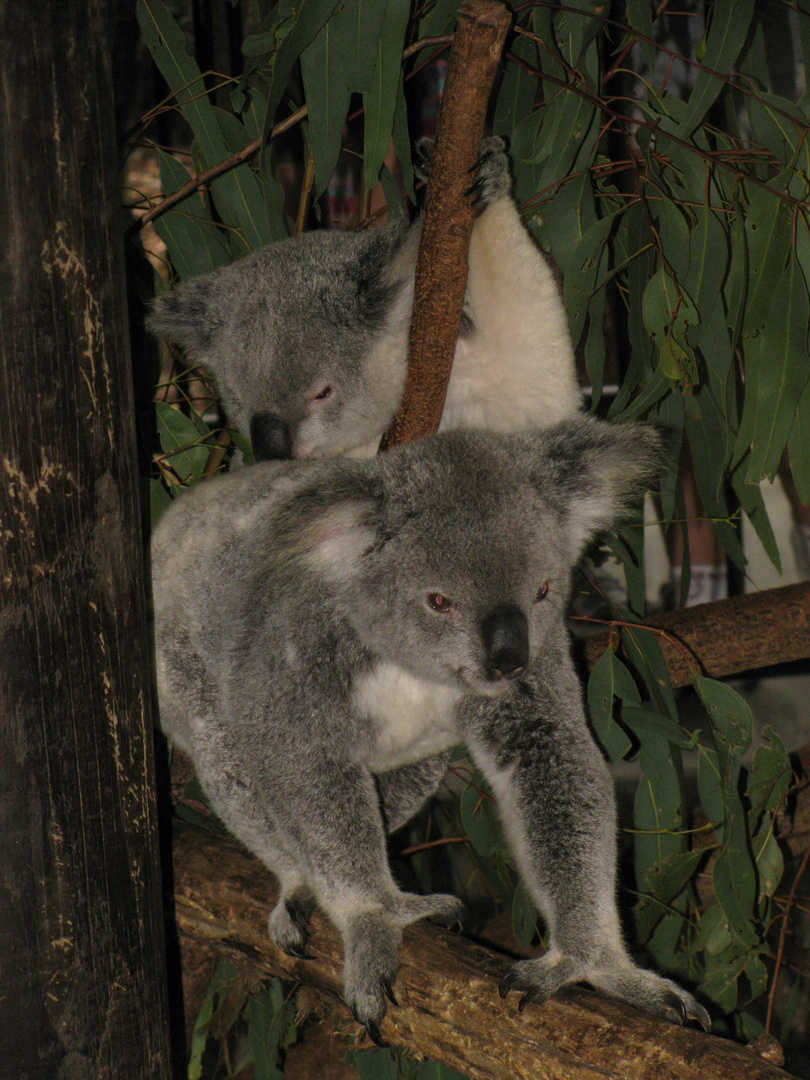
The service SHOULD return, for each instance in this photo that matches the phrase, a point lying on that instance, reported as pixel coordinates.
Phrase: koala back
(441, 568)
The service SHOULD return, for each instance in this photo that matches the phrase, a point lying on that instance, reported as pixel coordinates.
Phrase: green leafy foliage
(232, 1004)
(686, 251)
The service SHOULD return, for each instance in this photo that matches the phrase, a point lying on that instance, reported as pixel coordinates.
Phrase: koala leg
(242, 811)
(555, 798)
(404, 791)
(343, 849)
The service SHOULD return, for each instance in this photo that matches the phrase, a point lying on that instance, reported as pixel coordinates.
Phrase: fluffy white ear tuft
(336, 536)
(600, 471)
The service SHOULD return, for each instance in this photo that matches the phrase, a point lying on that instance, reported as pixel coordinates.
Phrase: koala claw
(288, 929)
(293, 949)
(674, 1008)
(528, 997)
(678, 1010)
(374, 1034)
(387, 989)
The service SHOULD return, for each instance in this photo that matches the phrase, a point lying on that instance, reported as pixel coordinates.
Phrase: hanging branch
(441, 269)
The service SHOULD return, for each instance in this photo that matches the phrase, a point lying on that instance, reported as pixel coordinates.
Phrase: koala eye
(439, 603)
(542, 592)
(323, 393)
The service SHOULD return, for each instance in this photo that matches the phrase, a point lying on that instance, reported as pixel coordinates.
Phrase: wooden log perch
(728, 637)
(441, 269)
(447, 988)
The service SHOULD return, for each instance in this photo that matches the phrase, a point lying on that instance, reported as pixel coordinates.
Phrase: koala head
(298, 337)
(451, 556)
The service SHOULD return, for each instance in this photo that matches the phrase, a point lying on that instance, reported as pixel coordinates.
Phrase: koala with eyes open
(371, 615)
(308, 338)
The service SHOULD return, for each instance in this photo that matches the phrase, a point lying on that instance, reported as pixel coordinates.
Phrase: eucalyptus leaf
(608, 679)
(783, 371)
(523, 921)
(380, 99)
(327, 96)
(192, 239)
(734, 875)
(180, 441)
(479, 820)
(726, 37)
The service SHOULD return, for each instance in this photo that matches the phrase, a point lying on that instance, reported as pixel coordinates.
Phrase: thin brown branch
(441, 270)
(306, 192)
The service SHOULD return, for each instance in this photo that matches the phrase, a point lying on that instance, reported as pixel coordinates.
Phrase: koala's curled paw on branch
(541, 978)
(287, 925)
(493, 179)
(371, 941)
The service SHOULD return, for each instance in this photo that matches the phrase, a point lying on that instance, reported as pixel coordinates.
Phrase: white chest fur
(412, 718)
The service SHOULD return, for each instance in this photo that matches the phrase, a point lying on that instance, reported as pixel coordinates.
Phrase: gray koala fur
(308, 338)
(327, 631)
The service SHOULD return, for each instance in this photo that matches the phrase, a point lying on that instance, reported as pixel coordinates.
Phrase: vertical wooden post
(82, 964)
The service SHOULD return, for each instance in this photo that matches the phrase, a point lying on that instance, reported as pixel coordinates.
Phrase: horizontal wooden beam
(728, 637)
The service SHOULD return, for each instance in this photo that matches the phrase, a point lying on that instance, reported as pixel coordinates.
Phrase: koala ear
(332, 521)
(187, 316)
(599, 471)
(336, 536)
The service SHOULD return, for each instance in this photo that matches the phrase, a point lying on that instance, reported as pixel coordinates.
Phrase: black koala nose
(270, 437)
(506, 641)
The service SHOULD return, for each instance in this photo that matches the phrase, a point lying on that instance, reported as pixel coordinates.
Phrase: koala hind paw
(438, 907)
(538, 979)
(493, 180)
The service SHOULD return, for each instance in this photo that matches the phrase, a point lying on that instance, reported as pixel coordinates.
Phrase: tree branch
(447, 988)
(441, 270)
(727, 637)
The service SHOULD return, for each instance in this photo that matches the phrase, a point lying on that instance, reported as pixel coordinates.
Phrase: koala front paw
(654, 994)
(287, 926)
(540, 979)
(370, 968)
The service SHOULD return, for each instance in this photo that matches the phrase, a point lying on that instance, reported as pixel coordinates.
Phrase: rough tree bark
(441, 269)
(81, 928)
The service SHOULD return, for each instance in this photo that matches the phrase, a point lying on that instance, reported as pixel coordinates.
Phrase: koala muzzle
(506, 642)
(270, 437)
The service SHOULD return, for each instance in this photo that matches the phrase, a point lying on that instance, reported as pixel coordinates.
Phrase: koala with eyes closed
(308, 338)
(370, 616)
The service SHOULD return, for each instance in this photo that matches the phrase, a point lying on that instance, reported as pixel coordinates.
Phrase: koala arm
(404, 791)
(555, 799)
